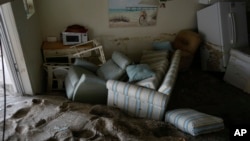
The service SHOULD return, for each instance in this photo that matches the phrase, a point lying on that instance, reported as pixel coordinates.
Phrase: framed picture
(29, 8)
(132, 13)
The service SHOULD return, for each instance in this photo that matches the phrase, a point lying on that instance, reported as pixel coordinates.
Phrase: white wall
(53, 16)
(31, 41)
(56, 15)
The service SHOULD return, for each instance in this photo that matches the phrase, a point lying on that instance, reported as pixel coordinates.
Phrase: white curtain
(149, 2)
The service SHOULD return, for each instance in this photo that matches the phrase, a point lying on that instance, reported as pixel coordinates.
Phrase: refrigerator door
(210, 27)
(209, 24)
(233, 26)
(223, 24)
(227, 29)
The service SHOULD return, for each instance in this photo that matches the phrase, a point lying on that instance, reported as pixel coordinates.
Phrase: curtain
(4, 1)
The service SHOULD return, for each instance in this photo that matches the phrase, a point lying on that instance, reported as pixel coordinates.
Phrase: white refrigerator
(223, 26)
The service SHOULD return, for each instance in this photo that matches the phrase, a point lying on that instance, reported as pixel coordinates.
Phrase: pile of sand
(56, 118)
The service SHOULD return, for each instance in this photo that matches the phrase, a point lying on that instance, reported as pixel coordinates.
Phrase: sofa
(147, 98)
(86, 82)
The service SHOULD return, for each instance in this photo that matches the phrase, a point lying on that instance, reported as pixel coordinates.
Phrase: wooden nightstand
(58, 58)
(56, 52)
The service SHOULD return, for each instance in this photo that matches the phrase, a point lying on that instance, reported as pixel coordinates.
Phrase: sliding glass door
(13, 84)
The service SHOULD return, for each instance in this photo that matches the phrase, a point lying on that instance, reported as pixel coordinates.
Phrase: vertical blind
(4, 1)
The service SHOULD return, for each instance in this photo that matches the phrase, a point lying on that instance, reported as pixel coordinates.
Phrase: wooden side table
(57, 52)
(58, 58)
(56, 75)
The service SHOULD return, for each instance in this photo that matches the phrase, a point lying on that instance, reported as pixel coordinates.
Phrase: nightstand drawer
(64, 52)
(50, 53)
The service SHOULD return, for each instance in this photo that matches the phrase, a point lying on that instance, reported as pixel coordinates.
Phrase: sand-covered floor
(54, 118)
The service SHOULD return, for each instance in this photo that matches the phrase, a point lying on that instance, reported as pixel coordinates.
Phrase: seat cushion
(90, 89)
(194, 122)
(72, 78)
(120, 59)
(110, 70)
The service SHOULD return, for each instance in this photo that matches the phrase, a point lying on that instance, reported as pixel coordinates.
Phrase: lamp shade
(149, 2)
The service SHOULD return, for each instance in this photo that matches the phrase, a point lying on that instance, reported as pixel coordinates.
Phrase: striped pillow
(194, 122)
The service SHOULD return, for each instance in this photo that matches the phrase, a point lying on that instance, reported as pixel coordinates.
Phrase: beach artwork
(132, 13)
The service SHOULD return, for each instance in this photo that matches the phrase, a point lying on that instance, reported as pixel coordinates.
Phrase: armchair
(144, 102)
(86, 82)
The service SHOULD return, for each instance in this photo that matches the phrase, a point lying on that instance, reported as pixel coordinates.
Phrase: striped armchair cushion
(154, 81)
(158, 62)
(169, 80)
(136, 100)
(194, 122)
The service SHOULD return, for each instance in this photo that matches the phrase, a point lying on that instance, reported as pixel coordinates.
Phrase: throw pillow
(194, 122)
(164, 45)
(139, 72)
(121, 59)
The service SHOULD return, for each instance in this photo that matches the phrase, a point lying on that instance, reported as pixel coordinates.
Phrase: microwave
(72, 38)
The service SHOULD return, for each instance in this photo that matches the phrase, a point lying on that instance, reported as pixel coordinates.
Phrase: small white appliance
(72, 38)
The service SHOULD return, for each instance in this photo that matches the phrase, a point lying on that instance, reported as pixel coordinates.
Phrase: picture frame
(133, 13)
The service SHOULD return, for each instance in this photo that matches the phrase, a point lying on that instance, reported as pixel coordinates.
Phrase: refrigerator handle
(233, 28)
